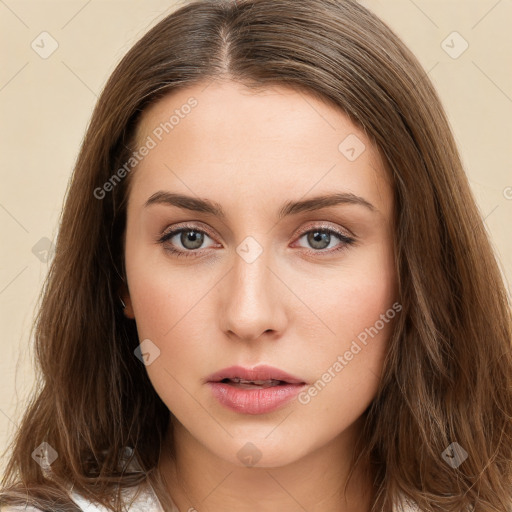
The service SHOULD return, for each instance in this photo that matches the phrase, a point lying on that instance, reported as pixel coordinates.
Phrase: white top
(146, 501)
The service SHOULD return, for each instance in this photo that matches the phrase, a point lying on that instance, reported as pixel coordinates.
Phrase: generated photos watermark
(151, 142)
(342, 361)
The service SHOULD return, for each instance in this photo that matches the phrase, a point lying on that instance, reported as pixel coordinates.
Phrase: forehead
(276, 140)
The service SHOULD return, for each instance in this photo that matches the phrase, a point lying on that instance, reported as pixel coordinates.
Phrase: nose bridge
(251, 302)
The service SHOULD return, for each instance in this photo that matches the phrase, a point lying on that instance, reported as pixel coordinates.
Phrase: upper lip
(262, 372)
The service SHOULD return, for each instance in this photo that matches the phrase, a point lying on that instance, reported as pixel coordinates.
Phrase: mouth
(262, 376)
(253, 384)
(259, 390)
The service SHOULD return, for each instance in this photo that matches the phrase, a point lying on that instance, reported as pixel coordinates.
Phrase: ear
(124, 294)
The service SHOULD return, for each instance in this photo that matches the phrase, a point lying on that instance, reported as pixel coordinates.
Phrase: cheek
(168, 305)
(358, 309)
(162, 294)
(349, 365)
(359, 292)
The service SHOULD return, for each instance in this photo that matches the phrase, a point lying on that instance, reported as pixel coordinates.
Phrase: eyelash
(346, 241)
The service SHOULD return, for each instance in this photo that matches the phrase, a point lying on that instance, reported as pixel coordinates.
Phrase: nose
(253, 300)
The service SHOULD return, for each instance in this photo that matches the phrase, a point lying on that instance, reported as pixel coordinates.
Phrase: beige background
(46, 104)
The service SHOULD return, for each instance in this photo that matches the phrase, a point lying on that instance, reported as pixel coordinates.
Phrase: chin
(259, 451)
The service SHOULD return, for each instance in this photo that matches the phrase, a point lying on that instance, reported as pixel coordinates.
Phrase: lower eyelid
(343, 239)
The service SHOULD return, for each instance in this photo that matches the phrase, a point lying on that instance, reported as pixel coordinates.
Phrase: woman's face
(279, 278)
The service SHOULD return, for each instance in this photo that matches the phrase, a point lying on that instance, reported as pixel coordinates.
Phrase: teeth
(271, 382)
(252, 384)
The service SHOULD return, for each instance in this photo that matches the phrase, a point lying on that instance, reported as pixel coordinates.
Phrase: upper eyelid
(176, 229)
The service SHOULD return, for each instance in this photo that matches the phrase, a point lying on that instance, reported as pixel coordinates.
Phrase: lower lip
(254, 401)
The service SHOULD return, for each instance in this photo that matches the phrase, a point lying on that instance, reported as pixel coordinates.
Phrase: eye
(321, 238)
(191, 239)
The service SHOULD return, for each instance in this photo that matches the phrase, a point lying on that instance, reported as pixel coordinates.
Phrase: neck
(198, 480)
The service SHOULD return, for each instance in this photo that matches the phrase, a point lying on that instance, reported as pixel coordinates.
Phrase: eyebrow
(288, 208)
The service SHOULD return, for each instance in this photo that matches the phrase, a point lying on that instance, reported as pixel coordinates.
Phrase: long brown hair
(448, 371)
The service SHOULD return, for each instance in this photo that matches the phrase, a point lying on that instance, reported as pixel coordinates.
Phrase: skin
(296, 307)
